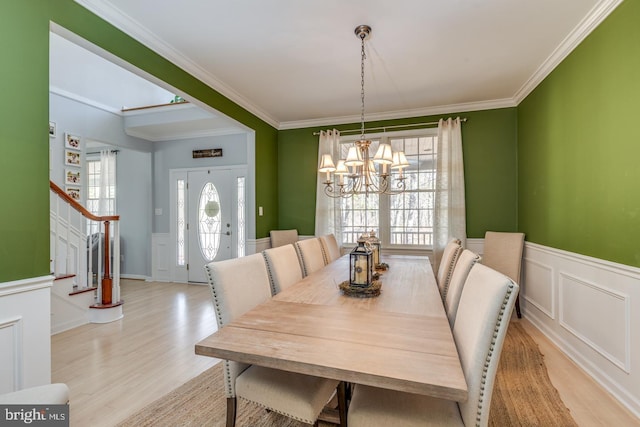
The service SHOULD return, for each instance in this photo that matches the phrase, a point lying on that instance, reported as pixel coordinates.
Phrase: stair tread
(63, 276)
(82, 290)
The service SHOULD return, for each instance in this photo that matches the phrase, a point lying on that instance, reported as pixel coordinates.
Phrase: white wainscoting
(257, 245)
(587, 307)
(25, 333)
(161, 266)
(160, 258)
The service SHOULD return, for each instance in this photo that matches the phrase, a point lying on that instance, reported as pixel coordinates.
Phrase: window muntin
(402, 220)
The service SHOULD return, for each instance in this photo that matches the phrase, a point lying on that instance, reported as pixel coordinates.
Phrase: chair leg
(518, 307)
(342, 403)
(232, 405)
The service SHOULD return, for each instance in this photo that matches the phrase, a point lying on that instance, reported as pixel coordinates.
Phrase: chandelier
(359, 173)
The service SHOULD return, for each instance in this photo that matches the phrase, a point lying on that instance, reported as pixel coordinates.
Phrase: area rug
(523, 396)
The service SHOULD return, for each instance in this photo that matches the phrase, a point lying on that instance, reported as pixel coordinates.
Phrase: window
(93, 194)
(404, 220)
(181, 222)
(240, 182)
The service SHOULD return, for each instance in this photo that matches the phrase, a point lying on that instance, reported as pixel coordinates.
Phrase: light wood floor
(115, 369)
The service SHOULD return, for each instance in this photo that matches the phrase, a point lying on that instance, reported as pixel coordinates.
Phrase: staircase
(81, 295)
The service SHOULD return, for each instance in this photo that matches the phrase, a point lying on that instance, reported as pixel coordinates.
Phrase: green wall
(562, 167)
(24, 42)
(579, 147)
(24, 141)
(489, 145)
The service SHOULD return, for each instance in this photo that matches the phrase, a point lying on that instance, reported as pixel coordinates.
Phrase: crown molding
(137, 31)
(594, 18)
(75, 97)
(131, 27)
(401, 114)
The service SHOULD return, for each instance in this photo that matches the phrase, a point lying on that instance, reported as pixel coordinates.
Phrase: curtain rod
(384, 128)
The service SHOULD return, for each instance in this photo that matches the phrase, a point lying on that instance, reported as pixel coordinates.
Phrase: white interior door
(210, 212)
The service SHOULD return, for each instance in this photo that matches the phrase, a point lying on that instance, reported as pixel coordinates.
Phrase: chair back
(237, 285)
(283, 267)
(481, 325)
(310, 255)
(466, 261)
(330, 248)
(283, 237)
(503, 252)
(447, 263)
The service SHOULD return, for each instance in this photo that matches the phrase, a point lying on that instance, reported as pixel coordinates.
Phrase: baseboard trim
(135, 277)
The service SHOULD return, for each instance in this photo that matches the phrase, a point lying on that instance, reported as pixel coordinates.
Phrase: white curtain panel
(326, 214)
(107, 181)
(450, 212)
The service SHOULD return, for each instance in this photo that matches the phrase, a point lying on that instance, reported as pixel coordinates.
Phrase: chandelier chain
(362, 58)
(358, 173)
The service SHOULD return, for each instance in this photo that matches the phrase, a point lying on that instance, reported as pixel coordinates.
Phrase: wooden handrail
(107, 281)
(77, 206)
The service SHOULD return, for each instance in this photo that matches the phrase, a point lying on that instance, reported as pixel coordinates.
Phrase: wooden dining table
(399, 340)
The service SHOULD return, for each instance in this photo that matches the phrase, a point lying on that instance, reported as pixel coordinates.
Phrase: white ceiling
(297, 63)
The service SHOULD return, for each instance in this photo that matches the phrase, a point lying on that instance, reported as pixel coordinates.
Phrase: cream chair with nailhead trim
(283, 267)
(310, 255)
(447, 264)
(481, 324)
(283, 237)
(330, 248)
(238, 285)
(503, 252)
(466, 261)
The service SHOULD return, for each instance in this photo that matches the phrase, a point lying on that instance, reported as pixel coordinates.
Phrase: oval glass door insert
(209, 221)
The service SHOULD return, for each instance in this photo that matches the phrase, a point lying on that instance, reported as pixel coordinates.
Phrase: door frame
(180, 273)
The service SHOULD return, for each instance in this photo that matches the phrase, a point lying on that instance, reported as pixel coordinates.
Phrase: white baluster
(67, 266)
(116, 261)
(56, 237)
(89, 246)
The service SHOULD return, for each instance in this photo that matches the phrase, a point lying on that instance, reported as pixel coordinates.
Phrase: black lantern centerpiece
(376, 247)
(362, 282)
(374, 242)
(361, 264)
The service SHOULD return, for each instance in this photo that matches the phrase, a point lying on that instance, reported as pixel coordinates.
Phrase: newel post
(107, 282)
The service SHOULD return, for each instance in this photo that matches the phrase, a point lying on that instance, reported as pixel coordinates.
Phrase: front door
(209, 220)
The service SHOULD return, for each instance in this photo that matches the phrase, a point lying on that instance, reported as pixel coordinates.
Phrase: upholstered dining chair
(447, 263)
(481, 324)
(310, 255)
(330, 248)
(283, 237)
(49, 394)
(503, 252)
(466, 261)
(283, 267)
(238, 285)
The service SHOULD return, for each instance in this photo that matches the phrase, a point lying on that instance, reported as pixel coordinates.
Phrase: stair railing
(68, 229)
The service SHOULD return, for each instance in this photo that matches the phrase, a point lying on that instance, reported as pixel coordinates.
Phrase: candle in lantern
(361, 271)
